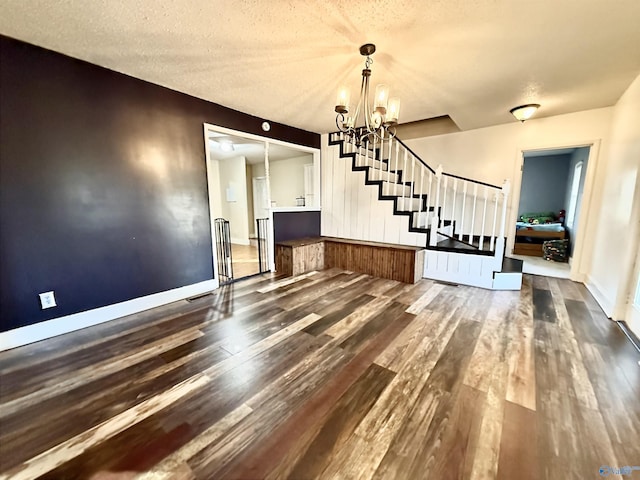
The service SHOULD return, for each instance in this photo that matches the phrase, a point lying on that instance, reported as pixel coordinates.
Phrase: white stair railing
(408, 176)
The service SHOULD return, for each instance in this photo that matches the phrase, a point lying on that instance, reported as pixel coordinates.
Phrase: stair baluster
(495, 219)
(464, 202)
(453, 205)
(444, 201)
(484, 217)
(435, 218)
(404, 172)
(473, 212)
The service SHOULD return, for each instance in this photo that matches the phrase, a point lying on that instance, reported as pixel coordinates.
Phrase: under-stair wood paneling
(404, 264)
(351, 209)
(330, 375)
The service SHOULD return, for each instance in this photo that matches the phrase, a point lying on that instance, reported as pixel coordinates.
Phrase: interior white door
(260, 198)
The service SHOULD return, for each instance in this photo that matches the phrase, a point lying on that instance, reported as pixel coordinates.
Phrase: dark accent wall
(103, 190)
(295, 225)
(544, 184)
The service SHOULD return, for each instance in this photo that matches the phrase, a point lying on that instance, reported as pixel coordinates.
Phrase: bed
(531, 233)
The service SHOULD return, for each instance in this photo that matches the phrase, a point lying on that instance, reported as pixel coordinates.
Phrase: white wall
(287, 179)
(494, 154)
(351, 209)
(215, 192)
(616, 243)
(232, 177)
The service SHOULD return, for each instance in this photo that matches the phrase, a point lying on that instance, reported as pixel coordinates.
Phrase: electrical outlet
(47, 300)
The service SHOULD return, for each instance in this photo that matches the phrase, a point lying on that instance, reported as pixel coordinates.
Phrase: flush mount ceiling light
(224, 145)
(524, 112)
(380, 121)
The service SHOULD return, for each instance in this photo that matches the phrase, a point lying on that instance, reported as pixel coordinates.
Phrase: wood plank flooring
(330, 374)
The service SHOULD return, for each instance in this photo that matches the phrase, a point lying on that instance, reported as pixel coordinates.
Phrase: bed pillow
(538, 217)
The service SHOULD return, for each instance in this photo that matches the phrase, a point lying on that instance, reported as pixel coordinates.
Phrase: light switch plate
(47, 300)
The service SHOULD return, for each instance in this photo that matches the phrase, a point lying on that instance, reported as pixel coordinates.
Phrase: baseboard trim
(69, 323)
(601, 298)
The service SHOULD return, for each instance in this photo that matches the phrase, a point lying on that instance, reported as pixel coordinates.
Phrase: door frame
(267, 141)
(578, 272)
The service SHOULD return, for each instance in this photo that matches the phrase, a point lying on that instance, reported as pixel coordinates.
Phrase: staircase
(459, 221)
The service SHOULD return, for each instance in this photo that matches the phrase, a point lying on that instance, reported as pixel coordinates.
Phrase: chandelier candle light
(379, 122)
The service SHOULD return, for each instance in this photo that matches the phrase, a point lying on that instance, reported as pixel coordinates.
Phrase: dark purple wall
(103, 191)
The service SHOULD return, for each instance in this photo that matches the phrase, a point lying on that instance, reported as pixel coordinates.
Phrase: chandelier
(380, 121)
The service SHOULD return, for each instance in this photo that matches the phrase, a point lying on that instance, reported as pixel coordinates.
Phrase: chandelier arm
(340, 123)
(367, 108)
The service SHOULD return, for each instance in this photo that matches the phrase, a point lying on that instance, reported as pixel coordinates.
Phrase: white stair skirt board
(469, 269)
(59, 326)
(507, 281)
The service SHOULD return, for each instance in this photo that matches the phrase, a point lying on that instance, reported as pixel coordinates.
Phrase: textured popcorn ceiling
(284, 60)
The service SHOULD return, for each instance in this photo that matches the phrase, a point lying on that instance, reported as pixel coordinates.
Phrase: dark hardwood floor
(331, 375)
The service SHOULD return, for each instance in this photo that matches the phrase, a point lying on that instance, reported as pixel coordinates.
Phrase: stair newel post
(395, 186)
(420, 195)
(473, 212)
(429, 199)
(389, 160)
(500, 241)
(381, 156)
(484, 217)
(495, 220)
(453, 206)
(435, 219)
(464, 202)
(404, 172)
(444, 197)
(506, 186)
(412, 190)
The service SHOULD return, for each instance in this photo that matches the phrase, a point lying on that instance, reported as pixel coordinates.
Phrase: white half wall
(351, 209)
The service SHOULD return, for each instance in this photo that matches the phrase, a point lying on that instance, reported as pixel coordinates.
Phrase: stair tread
(450, 243)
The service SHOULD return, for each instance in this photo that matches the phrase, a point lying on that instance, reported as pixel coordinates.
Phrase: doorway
(548, 217)
(244, 191)
(231, 160)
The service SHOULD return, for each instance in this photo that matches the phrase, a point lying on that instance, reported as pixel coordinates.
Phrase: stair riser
(386, 176)
(368, 162)
(409, 205)
(394, 189)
